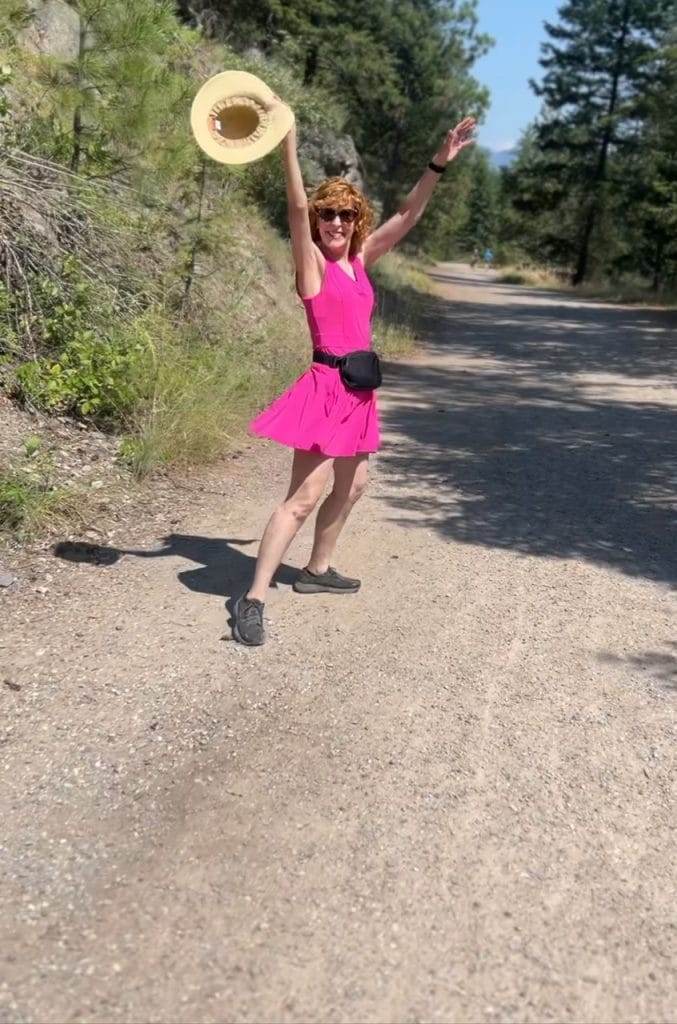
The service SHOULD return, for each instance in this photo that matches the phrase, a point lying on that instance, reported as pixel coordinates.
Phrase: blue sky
(517, 27)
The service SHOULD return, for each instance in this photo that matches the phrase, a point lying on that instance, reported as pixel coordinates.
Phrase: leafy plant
(93, 376)
(28, 500)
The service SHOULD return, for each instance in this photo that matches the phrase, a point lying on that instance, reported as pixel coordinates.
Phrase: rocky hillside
(146, 295)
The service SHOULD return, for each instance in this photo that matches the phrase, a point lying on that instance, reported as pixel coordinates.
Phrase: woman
(326, 423)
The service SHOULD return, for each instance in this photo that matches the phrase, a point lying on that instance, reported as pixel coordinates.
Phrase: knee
(357, 489)
(300, 507)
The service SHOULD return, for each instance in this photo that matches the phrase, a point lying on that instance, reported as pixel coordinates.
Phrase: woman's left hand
(456, 140)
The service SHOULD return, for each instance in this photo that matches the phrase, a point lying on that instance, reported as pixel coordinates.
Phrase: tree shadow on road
(662, 665)
(554, 336)
(224, 570)
(512, 448)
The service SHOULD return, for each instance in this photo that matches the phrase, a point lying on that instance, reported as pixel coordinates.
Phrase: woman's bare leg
(310, 473)
(350, 481)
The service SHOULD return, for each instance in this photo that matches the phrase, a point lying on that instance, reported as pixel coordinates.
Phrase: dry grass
(401, 289)
(29, 505)
(622, 293)
(625, 293)
(531, 276)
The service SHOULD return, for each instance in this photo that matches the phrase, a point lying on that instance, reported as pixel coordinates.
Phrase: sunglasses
(328, 213)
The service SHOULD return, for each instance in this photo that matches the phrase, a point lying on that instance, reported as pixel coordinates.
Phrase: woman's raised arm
(307, 258)
(396, 227)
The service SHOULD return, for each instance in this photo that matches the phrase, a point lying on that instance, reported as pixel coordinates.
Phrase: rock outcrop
(53, 30)
(327, 155)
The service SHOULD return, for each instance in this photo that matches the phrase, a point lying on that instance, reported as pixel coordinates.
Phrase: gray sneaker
(248, 621)
(329, 582)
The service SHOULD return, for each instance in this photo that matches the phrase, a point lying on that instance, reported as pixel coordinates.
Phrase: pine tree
(110, 97)
(403, 73)
(539, 215)
(652, 193)
(600, 62)
(400, 68)
(480, 229)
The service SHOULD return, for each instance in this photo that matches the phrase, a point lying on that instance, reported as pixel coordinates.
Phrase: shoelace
(251, 611)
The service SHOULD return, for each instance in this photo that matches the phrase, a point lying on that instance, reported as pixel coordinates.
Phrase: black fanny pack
(359, 370)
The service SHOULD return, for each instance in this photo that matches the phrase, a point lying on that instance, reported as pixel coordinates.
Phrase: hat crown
(236, 118)
(238, 121)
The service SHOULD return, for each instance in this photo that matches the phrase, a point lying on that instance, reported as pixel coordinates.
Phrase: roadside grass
(402, 287)
(392, 340)
(202, 394)
(179, 390)
(30, 505)
(530, 276)
(625, 293)
(621, 293)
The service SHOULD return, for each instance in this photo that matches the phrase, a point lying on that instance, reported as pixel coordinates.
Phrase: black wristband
(436, 168)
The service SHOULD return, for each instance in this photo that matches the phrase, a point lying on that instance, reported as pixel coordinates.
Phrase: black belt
(326, 358)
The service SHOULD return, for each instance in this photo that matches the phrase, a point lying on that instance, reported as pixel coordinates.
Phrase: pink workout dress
(319, 413)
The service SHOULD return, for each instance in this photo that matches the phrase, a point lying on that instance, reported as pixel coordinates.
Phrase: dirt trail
(450, 798)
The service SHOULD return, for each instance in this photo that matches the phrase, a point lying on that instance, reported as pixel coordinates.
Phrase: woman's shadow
(223, 570)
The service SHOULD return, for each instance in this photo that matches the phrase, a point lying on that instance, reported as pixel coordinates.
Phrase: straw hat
(236, 119)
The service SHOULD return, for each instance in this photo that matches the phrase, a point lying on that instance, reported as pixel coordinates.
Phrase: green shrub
(93, 376)
(32, 445)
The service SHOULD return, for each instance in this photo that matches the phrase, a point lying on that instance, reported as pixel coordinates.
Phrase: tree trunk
(600, 171)
(310, 68)
(76, 153)
(658, 265)
(192, 258)
(584, 250)
(391, 188)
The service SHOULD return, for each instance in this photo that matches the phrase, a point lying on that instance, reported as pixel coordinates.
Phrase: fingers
(466, 126)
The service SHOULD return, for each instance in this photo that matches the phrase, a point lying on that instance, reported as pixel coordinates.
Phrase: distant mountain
(502, 157)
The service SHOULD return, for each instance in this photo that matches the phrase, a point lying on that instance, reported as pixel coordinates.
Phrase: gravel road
(449, 798)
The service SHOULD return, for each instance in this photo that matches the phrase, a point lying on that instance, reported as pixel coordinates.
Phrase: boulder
(326, 155)
(54, 29)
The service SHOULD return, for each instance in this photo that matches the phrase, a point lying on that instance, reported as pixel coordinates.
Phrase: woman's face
(336, 225)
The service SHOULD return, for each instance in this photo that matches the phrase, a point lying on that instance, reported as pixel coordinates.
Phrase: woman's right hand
(290, 137)
(277, 102)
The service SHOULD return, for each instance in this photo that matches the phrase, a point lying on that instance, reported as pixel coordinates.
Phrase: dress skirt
(318, 413)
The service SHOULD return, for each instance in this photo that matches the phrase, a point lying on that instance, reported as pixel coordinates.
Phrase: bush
(93, 376)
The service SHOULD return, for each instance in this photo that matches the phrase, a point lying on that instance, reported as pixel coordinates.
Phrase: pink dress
(319, 413)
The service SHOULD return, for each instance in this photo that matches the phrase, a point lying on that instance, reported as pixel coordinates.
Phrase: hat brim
(243, 94)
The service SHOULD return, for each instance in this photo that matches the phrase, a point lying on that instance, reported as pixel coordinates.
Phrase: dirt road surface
(449, 798)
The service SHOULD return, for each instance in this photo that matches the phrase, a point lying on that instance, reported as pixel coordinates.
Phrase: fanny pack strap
(326, 358)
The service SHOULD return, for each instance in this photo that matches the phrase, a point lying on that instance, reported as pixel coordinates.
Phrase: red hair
(340, 194)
